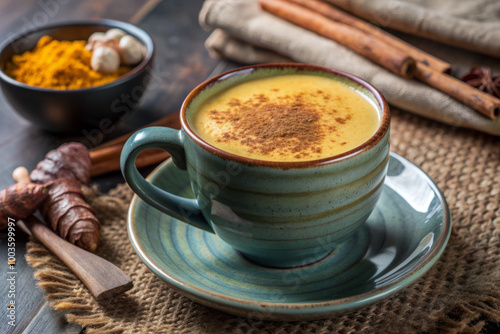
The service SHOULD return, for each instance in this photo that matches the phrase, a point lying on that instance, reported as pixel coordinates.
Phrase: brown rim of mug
(370, 143)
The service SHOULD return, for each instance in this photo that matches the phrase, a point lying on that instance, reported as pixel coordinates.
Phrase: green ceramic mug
(278, 214)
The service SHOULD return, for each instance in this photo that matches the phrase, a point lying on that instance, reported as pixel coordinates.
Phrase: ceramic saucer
(401, 240)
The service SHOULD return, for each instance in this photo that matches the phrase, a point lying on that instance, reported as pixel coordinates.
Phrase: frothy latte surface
(292, 117)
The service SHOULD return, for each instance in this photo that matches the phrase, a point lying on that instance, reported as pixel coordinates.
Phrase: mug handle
(168, 140)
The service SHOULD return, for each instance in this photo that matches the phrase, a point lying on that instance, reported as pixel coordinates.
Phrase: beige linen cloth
(470, 24)
(245, 33)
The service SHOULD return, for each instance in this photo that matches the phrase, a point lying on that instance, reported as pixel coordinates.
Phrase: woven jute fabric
(457, 295)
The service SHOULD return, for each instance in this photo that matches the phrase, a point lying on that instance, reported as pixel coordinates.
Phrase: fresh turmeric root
(20, 200)
(56, 187)
(69, 215)
(69, 161)
(65, 209)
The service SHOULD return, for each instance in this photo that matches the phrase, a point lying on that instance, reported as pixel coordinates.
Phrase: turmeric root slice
(70, 161)
(20, 200)
(69, 215)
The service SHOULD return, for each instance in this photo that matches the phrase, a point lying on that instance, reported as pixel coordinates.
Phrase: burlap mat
(457, 295)
(247, 34)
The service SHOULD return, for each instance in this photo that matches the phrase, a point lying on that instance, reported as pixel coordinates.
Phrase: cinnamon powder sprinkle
(285, 118)
(289, 125)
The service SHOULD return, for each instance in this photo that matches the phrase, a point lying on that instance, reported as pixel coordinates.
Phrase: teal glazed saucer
(401, 240)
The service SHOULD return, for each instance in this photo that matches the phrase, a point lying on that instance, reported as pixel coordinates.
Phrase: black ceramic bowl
(78, 110)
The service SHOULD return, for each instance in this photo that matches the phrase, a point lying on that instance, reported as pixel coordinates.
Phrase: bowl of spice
(76, 77)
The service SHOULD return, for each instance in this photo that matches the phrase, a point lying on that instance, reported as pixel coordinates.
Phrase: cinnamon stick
(372, 48)
(106, 157)
(143, 160)
(172, 121)
(480, 101)
(340, 16)
(106, 153)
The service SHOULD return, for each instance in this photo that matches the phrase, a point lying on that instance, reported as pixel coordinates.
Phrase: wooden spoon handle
(102, 278)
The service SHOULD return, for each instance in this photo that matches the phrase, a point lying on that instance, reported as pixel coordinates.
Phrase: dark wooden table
(181, 63)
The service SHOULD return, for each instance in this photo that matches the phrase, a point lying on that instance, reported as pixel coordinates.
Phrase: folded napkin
(247, 34)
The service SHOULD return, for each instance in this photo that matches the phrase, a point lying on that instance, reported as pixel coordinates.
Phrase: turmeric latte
(58, 65)
(287, 118)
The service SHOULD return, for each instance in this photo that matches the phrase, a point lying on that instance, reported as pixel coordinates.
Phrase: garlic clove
(131, 50)
(115, 33)
(95, 38)
(112, 43)
(105, 59)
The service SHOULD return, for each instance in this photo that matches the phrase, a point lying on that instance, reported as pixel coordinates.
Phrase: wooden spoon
(101, 277)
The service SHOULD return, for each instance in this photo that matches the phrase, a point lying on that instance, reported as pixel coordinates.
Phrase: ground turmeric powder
(58, 65)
